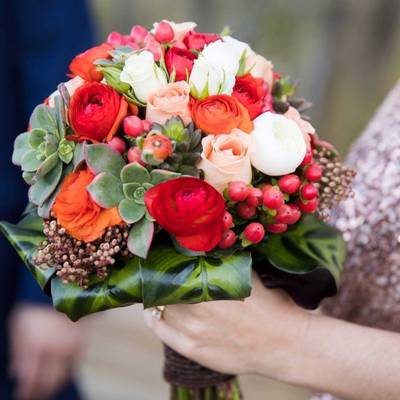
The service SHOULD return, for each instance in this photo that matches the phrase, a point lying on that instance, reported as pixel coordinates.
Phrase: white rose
(143, 74)
(278, 145)
(180, 29)
(240, 48)
(214, 71)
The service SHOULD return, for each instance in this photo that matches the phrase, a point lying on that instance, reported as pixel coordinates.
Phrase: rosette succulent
(43, 151)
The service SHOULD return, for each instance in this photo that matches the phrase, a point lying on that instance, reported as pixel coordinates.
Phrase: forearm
(349, 360)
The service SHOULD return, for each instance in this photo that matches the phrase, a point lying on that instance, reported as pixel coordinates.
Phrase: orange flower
(82, 65)
(75, 210)
(219, 114)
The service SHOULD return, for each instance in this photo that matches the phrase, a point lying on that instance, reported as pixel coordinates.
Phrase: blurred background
(346, 56)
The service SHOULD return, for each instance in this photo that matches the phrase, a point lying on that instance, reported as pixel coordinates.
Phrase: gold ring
(158, 312)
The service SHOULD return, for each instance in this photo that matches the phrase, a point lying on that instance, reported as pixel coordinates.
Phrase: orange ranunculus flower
(82, 65)
(75, 210)
(219, 114)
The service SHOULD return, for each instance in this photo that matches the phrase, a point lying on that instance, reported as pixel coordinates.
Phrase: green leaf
(21, 146)
(30, 162)
(25, 238)
(28, 177)
(36, 137)
(44, 117)
(66, 150)
(172, 278)
(130, 211)
(129, 189)
(102, 158)
(47, 165)
(134, 173)
(60, 116)
(160, 175)
(106, 190)
(122, 287)
(45, 185)
(309, 245)
(140, 237)
(50, 145)
(79, 155)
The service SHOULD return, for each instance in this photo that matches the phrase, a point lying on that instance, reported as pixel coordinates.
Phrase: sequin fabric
(370, 221)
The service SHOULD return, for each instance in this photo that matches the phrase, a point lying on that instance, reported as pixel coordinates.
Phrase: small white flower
(278, 145)
(143, 74)
(214, 71)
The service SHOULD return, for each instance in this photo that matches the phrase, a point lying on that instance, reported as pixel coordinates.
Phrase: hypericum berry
(254, 198)
(296, 213)
(138, 33)
(289, 183)
(265, 186)
(309, 206)
(156, 148)
(164, 32)
(228, 239)
(117, 144)
(133, 126)
(254, 232)
(273, 198)
(245, 211)
(276, 228)
(309, 191)
(313, 173)
(238, 191)
(283, 214)
(227, 220)
(307, 158)
(135, 155)
(147, 125)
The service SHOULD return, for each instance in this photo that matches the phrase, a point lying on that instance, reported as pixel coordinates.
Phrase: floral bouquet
(169, 166)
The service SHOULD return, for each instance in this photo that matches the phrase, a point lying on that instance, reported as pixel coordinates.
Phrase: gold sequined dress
(370, 293)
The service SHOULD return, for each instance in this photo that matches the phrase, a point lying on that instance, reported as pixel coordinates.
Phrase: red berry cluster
(276, 205)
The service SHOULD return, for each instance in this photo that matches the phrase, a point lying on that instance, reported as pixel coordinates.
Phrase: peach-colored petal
(260, 67)
(304, 125)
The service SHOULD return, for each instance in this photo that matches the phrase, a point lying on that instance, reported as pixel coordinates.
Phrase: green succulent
(124, 185)
(187, 146)
(43, 152)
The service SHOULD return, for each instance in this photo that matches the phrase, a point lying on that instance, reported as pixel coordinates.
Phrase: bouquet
(169, 166)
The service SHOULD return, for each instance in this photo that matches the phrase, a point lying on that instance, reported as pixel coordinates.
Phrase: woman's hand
(250, 336)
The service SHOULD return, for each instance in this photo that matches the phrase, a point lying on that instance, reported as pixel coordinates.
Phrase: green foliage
(309, 245)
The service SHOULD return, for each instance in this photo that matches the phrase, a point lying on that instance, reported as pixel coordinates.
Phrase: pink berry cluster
(272, 206)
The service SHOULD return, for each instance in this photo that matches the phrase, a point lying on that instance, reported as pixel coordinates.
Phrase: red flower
(96, 112)
(82, 65)
(190, 209)
(196, 41)
(251, 92)
(180, 60)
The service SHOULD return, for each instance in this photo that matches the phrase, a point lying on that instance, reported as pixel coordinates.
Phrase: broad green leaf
(30, 162)
(79, 155)
(309, 245)
(160, 175)
(122, 287)
(134, 173)
(26, 237)
(50, 145)
(21, 146)
(130, 211)
(36, 137)
(60, 116)
(102, 158)
(47, 165)
(140, 237)
(28, 177)
(129, 189)
(44, 117)
(172, 278)
(106, 190)
(45, 186)
(66, 150)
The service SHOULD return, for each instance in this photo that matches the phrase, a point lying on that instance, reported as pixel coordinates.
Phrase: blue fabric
(38, 39)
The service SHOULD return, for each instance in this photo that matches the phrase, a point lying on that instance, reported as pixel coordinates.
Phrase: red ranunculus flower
(96, 112)
(190, 209)
(82, 65)
(180, 60)
(251, 92)
(196, 41)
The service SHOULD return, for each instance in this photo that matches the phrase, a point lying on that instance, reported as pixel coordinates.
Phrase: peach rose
(169, 101)
(260, 67)
(226, 158)
(304, 125)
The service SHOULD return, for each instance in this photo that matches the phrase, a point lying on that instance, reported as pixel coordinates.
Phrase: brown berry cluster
(335, 184)
(76, 260)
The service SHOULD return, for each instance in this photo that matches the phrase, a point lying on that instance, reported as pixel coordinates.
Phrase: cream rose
(70, 85)
(304, 125)
(279, 146)
(260, 67)
(226, 158)
(143, 74)
(169, 101)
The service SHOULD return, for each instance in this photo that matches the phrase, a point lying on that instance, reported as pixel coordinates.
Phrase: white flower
(278, 145)
(241, 49)
(142, 73)
(70, 85)
(215, 70)
(180, 29)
